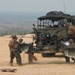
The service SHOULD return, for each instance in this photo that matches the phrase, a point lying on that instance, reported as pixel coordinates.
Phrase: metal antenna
(64, 7)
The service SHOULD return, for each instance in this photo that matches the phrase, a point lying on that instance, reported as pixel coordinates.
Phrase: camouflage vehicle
(50, 32)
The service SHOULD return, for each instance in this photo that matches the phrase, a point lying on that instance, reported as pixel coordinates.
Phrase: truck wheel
(67, 59)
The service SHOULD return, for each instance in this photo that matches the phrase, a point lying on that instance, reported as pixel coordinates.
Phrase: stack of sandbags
(71, 31)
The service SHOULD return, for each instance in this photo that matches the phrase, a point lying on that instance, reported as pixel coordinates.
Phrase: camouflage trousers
(16, 54)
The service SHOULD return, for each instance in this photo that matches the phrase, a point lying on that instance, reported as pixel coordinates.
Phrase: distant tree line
(14, 31)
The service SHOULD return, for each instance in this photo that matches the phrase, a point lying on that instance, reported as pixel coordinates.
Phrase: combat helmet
(20, 40)
(14, 36)
(71, 41)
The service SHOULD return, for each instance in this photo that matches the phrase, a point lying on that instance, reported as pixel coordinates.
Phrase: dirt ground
(43, 66)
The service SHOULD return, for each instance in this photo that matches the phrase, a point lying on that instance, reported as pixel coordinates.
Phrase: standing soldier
(21, 45)
(13, 45)
(72, 45)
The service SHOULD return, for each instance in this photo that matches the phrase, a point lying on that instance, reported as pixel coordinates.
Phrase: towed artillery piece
(50, 32)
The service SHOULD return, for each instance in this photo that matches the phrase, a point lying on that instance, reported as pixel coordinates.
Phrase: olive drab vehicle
(50, 31)
(51, 34)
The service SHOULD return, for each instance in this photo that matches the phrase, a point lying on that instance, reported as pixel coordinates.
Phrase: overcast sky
(36, 5)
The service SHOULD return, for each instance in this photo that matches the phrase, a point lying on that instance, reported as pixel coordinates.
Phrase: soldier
(72, 45)
(13, 45)
(21, 45)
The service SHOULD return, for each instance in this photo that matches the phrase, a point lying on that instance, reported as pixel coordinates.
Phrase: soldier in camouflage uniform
(21, 47)
(72, 45)
(13, 45)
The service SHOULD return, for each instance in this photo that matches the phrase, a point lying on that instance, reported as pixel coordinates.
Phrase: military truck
(50, 32)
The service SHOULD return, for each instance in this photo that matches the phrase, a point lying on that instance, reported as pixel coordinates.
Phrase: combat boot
(34, 58)
(11, 64)
(73, 59)
(20, 64)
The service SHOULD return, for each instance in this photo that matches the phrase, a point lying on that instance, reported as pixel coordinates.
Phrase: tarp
(55, 15)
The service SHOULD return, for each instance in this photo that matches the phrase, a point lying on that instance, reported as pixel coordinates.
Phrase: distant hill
(17, 22)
